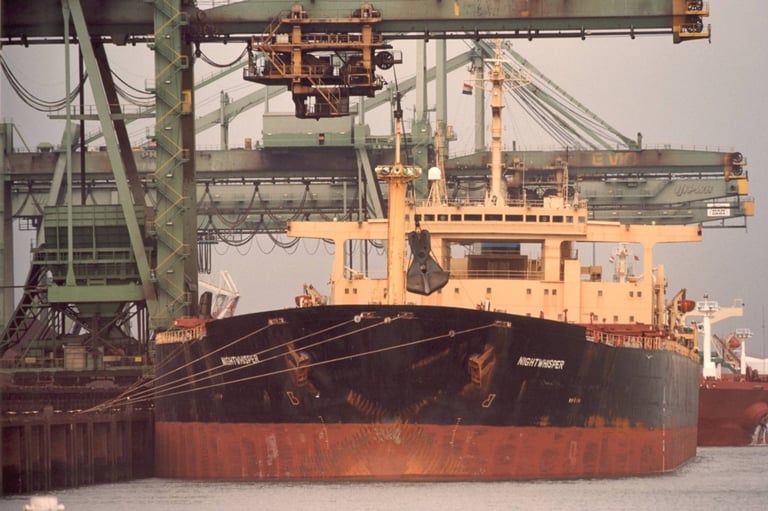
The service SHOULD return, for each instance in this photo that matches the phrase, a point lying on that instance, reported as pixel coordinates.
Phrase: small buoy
(44, 503)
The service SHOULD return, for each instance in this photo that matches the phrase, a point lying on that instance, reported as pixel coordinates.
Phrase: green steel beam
(33, 171)
(661, 161)
(481, 18)
(57, 191)
(188, 260)
(174, 168)
(113, 148)
(650, 179)
(6, 234)
(121, 133)
(25, 22)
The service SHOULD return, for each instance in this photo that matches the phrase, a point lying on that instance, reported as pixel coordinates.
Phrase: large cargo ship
(495, 351)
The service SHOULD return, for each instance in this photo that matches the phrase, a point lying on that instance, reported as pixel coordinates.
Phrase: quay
(58, 433)
(56, 449)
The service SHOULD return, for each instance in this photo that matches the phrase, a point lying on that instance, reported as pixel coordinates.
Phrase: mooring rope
(448, 335)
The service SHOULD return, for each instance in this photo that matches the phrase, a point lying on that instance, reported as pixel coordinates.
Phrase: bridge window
(514, 218)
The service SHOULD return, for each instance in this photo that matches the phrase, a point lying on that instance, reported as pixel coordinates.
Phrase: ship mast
(497, 194)
(743, 335)
(397, 177)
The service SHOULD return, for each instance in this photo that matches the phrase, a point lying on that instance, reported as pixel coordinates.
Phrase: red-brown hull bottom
(237, 451)
(729, 411)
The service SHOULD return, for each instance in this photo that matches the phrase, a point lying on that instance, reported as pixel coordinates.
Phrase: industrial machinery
(321, 68)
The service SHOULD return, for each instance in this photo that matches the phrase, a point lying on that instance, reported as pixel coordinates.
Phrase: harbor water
(718, 478)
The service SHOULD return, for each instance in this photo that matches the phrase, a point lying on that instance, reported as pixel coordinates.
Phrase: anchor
(424, 275)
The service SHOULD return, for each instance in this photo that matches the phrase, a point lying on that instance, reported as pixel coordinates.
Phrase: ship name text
(544, 363)
(240, 360)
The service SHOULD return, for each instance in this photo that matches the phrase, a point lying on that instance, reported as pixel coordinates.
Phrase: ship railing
(640, 342)
(678, 347)
(619, 341)
(516, 203)
(533, 274)
(497, 274)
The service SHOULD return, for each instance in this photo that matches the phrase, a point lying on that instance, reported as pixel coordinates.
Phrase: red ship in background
(733, 396)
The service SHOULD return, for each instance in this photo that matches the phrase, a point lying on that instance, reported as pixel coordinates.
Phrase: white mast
(708, 308)
(498, 190)
(743, 334)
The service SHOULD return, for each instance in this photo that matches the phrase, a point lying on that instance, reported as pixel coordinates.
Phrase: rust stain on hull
(238, 451)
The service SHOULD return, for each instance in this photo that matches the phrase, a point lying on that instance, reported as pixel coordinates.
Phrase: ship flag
(467, 89)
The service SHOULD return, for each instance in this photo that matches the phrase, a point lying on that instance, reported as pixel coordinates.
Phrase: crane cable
(34, 101)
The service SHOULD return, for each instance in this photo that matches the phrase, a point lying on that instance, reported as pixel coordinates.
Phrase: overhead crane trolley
(323, 61)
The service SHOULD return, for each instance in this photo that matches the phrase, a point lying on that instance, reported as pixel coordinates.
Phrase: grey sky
(694, 94)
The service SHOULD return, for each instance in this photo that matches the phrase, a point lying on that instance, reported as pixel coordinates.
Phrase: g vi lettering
(614, 159)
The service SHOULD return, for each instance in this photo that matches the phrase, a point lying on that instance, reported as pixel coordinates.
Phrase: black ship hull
(392, 392)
